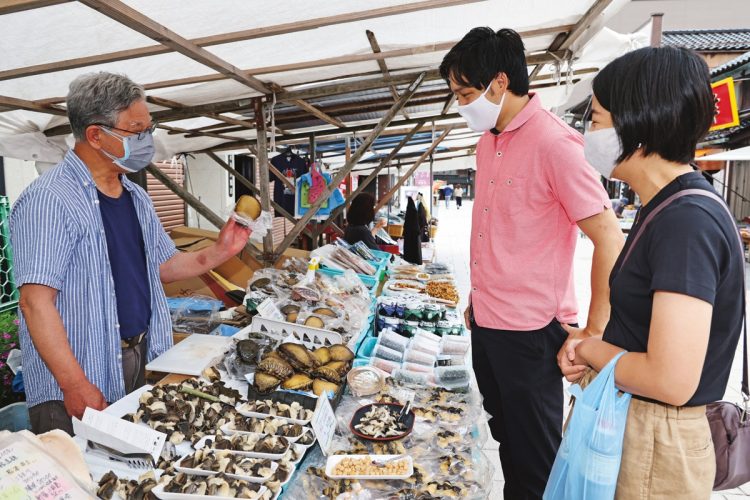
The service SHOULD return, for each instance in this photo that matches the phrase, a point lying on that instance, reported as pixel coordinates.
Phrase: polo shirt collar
(534, 105)
(83, 174)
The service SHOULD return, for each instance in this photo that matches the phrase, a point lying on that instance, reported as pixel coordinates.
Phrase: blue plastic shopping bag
(588, 460)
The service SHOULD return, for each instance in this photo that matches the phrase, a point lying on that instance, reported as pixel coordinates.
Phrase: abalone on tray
(297, 355)
(274, 365)
(265, 383)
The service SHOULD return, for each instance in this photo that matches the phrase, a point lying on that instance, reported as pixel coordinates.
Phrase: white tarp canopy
(39, 44)
(739, 154)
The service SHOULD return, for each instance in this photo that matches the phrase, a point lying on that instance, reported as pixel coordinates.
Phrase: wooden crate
(395, 230)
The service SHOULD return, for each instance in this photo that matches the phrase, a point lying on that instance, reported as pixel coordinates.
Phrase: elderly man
(90, 254)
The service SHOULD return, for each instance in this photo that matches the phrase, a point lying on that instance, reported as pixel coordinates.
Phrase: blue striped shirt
(58, 241)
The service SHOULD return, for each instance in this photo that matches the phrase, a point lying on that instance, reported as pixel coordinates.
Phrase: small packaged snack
(383, 352)
(385, 365)
(392, 340)
(419, 357)
(455, 345)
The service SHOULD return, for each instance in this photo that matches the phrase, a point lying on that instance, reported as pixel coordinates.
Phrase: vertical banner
(725, 101)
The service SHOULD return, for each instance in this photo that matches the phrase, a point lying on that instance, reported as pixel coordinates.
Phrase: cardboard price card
(324, 423)
(27, 471)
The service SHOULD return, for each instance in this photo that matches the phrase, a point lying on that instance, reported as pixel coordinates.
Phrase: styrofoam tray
(334, 460)
(226, 429)
(163, 495)
(201, 472)
(245, 413)
(251, 454)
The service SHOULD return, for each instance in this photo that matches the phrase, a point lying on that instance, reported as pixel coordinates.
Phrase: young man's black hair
(652, 94)
(482, 54)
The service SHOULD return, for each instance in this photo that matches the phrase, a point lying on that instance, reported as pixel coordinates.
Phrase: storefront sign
(725, 101)
(422, 179)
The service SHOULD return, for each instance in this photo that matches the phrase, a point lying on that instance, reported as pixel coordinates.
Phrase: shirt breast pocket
(511, 196)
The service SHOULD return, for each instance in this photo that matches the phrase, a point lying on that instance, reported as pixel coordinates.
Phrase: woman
(359, 218)
(677, 298)
(459, 195)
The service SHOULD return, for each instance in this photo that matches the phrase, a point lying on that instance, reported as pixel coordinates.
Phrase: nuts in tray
(369, 467)
(278, 409)
(228, 463)
(442, 290)
(218, 485)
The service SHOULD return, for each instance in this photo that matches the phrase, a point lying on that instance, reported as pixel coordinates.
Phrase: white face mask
(602, 148)
(481, 114)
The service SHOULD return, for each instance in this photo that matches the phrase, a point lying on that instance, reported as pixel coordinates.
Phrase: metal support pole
(263, 181)
(656, 28)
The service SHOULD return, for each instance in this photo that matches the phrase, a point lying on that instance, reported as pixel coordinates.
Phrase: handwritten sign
(324, 423)
(26, 471)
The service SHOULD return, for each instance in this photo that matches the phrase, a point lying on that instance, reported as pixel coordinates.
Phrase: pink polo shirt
(532, 185)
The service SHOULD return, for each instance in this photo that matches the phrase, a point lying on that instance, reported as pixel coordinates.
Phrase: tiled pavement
(452, 247)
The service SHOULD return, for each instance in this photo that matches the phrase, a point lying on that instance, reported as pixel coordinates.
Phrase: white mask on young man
(481, 114)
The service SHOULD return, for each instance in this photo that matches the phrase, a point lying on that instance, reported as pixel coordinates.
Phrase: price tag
(267, 309)
(324, 423)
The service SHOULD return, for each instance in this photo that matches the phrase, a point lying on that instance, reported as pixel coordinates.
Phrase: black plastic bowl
(395, 409)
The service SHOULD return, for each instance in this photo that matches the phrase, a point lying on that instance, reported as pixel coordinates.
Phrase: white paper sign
(267, 309)
(324, 423)
(119, 434)
(26, 471)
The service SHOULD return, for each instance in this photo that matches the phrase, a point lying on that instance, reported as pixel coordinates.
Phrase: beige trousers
(667, 452)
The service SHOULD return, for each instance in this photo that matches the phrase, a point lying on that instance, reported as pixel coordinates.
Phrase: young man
(534, 190)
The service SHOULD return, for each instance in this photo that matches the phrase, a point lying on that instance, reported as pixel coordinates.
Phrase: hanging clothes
(292, 166)
(412, 235)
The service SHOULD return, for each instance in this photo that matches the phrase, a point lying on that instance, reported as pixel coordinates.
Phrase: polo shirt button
(499, 154)
(480, 235)
(475, 263)
(492, 181)
(510, 181)
(485, 210)
(474, 289)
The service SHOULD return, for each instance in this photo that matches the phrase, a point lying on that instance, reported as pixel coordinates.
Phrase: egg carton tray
(283, 331)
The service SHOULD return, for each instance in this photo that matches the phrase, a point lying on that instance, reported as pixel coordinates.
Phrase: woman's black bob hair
(660, 99)
(362, 210)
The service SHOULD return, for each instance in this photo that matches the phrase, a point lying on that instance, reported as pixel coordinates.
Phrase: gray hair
(99, 98)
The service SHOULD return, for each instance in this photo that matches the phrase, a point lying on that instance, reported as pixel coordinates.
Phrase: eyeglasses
(141, 134)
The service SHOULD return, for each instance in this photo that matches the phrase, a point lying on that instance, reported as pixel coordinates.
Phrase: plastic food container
(385, 365)
(427, 335)
(383, 352)
(412, 377)
(416, 367)
(392, 340)
(419, 357)
(455, 345)
(425, 346)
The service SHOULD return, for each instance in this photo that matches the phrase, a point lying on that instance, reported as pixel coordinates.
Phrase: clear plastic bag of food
(195, 314)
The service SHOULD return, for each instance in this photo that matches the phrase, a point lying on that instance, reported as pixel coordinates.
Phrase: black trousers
(522, 388)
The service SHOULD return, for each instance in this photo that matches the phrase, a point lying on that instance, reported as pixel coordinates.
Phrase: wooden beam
(281, 177)
(237, 36)
(13, 103)
(448, 103)
(413, 169)
(159, 101)
(329, 132)
(375, 46)
(193, 202)
(178, 130)
(582, 25)
(262, 157)
(373, 175)
(344, 171)
(133, 19)
(318, 113)
(11, 6)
